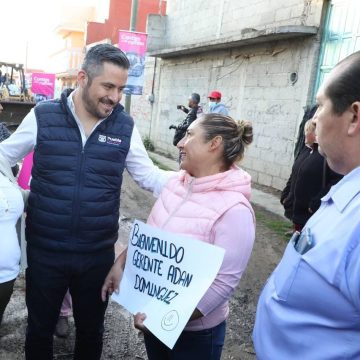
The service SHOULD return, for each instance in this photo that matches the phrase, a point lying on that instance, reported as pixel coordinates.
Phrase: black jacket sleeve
(192, 115)
(330, 178)
(286, 190)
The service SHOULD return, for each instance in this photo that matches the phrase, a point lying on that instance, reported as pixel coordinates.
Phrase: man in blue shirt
(215, 104)
(309, 308)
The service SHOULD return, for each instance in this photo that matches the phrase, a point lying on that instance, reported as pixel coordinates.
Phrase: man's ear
(82, 78)
(216, 142)
(354, 124)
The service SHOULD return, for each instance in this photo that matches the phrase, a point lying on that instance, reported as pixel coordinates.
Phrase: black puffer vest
(75, 190)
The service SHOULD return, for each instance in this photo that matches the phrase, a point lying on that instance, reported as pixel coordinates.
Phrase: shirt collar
(70, 103)
(345, 190)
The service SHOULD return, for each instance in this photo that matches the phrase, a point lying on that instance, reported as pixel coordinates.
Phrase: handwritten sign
(165, 277)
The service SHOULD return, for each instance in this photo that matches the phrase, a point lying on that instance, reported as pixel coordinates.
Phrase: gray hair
(236, 135)
(195, 98)
(98, 54)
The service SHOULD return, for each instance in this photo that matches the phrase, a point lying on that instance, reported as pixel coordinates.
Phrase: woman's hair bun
(245, 131)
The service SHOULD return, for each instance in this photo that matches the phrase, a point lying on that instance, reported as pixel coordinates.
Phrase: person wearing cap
(215, 105)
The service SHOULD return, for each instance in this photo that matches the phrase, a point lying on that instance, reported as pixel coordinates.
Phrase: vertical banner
(43, 86)
(133, 44)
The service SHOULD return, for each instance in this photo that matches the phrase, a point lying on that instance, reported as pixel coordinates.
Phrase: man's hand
(112, 280)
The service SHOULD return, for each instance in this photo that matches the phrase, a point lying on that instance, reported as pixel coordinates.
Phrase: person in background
(214, 193)
(310, 305)
(12, 199)
(82, 143)
(215, 105)
(4, 134)
(310, 179)
(300, 141)
(287, 194)
(4, 131)
(192, 114)
(193, 104)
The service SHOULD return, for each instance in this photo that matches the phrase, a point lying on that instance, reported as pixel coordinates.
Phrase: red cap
(215, 94)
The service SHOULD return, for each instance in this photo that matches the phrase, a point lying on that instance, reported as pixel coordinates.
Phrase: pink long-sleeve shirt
(234, 232)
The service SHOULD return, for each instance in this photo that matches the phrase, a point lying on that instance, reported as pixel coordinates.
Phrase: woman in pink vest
(209, 200)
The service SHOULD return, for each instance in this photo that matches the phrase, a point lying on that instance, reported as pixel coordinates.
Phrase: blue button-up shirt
(309, 308)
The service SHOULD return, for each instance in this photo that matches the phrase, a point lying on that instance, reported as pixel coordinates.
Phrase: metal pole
(134, 11)
(26, 55)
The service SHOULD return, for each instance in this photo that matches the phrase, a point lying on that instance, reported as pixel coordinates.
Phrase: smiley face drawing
(170, 320)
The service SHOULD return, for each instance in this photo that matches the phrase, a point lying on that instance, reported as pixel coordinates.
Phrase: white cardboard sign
(165, 277)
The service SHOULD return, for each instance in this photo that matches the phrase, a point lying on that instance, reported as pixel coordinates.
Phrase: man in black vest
(82, 143)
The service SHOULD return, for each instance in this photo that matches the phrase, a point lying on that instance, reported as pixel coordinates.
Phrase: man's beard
(91, 106)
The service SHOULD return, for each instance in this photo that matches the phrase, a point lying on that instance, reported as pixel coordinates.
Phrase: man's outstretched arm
(142, 169)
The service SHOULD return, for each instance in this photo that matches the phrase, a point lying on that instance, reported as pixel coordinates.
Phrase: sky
(28, 25)
(29, 30)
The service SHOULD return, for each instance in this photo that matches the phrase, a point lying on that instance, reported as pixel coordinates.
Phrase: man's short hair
(98, 54)
(344, 89)
(195, 98)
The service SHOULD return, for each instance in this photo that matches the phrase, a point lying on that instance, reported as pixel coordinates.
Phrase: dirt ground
(121, 340)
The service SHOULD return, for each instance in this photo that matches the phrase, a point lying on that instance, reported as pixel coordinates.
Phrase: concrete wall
(255, 80)
(202, 20)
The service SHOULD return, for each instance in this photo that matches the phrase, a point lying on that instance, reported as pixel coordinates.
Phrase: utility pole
(26, 55)
(134, 10)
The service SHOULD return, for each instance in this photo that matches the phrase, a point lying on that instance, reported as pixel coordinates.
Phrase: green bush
(159, 164)
(148, 144)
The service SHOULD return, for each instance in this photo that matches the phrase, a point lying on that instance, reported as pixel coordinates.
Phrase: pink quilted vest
(191, 206)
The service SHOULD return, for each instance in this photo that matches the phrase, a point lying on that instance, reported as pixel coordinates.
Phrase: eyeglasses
(212, 98)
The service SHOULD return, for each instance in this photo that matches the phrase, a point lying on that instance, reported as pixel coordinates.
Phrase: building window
(341, 35)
